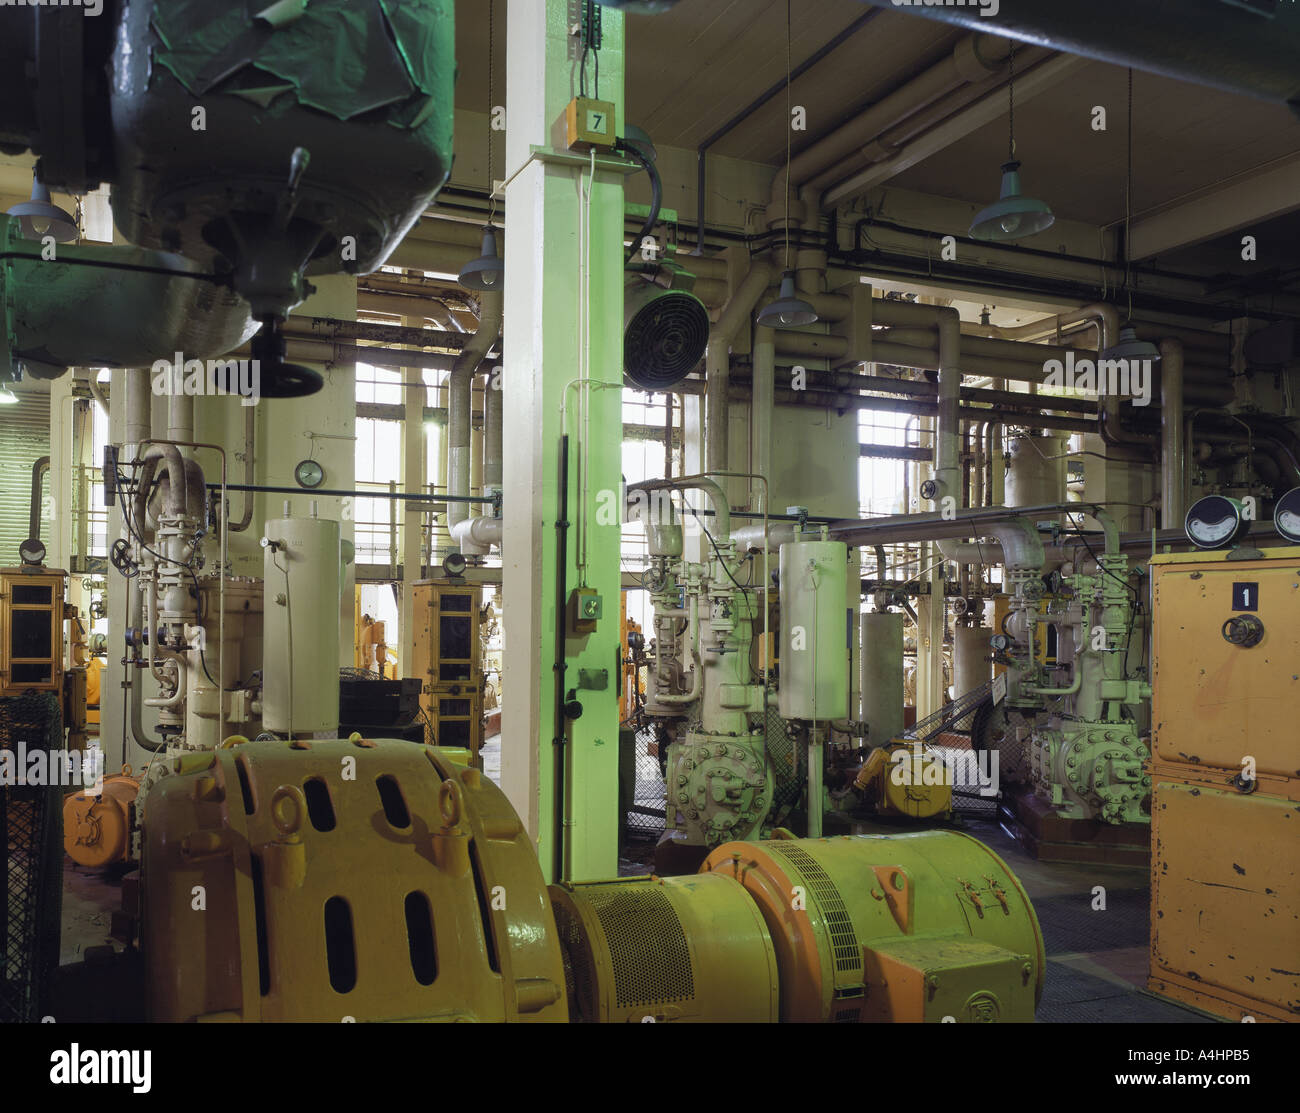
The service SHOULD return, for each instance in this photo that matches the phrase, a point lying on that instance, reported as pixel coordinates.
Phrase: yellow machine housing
(31, 630)
(665, 948)
(371, 879)
(447, 657)
(1225, 907)
(907, 780)
(916, 927)
(97, 828)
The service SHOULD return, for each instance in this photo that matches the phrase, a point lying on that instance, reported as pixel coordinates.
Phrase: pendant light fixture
(788, 310)
(488, 270)
(1129, 346)
(40, 217)
(1013, 215)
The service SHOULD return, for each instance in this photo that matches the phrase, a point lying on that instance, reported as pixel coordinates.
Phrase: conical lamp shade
(39, 217)
(485, 272)
(788, 311)
(1130, 347)
(1013, 216)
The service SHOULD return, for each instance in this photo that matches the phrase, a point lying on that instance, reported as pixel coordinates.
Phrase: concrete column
(553, 286)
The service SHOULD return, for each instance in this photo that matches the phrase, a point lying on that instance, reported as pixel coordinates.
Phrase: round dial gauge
(1286, 516)
(309, 474)
(32, 551)
(1215, 522)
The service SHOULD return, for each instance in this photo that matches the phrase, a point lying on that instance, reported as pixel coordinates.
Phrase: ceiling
(691, 68)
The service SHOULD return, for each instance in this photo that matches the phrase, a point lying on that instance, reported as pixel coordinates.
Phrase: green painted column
(563, 322)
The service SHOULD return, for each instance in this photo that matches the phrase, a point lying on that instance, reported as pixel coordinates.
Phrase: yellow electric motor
(905, 778)
(97, 828)
(665, 948)
(927, 925)
(328, 880)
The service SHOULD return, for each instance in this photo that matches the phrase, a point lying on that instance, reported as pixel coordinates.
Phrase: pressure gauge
(454, 565)
(1215, 522)
(32, 551)
(309, 474)
(1286, 516)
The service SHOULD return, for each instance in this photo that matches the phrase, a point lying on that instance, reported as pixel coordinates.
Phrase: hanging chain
(788, 130)
(492, 192)
(1011, 108)
(1128, 202)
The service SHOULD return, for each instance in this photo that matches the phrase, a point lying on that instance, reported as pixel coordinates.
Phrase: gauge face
(309, 474)
(1286, 516)
(1215, 522)
(31, 551)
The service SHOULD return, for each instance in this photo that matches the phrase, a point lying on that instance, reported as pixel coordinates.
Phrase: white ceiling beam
(1219, 209)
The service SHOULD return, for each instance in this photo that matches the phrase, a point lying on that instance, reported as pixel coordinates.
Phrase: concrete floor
(1097, 960)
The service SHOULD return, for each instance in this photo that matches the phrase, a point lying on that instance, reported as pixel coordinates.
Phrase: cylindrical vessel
(814, 654)
(300, 673)
(971, 666)
(922, 926)
(881, 667)
(665, 948)
(1035, 470)
(237, 659)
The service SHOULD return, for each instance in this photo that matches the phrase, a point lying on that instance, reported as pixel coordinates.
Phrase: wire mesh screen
(31, 832)
(644, 778)
(958, 734)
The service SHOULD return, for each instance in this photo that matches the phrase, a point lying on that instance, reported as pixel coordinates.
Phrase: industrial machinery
(1225, 790)
(447, 657)
(380, 880)
(99, 826)
(237, 140)
(704, 681)
(345, 879)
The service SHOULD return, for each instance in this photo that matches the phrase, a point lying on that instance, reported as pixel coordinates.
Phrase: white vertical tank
(300, 671)
(882, 676)
(814, 652)
(971, 666)
(1035, 470)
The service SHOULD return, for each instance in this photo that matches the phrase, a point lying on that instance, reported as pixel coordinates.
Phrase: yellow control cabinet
(1225, 771)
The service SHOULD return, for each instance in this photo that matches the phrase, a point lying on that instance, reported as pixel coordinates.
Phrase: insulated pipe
(971, 59)
(721, 508)
(760, 410)
(750, 539)
(180, 416)
(948, 428)
(250, 435)
(717, 362)
(139, 393)
(39, 469)
(476, 536)
(460, 386)
(493, 434)
(1173, 442)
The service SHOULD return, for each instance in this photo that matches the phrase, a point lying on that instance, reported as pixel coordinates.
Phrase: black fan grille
(665, 340)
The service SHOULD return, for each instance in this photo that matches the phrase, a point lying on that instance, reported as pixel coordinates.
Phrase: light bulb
(1011, 223)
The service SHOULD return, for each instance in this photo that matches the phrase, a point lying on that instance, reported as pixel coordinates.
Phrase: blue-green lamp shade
(485, 272)
(40, 217)
(788, 311)
(1013, 216)
(1130, 347)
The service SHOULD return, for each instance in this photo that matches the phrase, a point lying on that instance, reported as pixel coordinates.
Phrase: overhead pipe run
(1248, 52)
(460, 386)
(717, 361)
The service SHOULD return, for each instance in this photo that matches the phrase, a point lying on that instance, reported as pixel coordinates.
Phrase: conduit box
(585, 610)
(589, 123)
